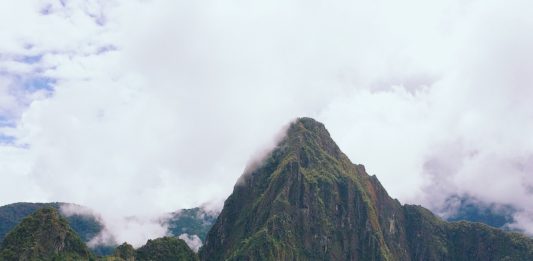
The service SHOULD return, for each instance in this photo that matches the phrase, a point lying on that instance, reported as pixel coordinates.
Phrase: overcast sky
(140, 107)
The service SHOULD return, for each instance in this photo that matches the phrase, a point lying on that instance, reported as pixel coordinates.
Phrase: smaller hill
(44, 235)
(125, 252)
(165, 249)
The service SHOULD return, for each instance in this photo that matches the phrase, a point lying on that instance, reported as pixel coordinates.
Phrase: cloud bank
(137, 108)
(193, 241)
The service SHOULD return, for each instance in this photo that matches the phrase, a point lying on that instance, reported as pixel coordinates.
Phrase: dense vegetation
(165, 249)
(44, 235)
(10, 215)
(161, 249)
(125, 252)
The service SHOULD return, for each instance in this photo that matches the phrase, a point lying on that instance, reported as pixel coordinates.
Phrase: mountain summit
(308, 201)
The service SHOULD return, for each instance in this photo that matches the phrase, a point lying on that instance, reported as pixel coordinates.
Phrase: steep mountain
(44, 235)
(307, 201)
(165, 249)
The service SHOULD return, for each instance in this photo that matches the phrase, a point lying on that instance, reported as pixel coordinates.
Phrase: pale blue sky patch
(20, 92)
(6, 121)
(31, 59)
(6, 139)
(37, 83)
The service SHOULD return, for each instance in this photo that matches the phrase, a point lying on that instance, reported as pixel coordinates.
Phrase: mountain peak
(288, 207)
(309, 138)
(308, 201)
(309, 124)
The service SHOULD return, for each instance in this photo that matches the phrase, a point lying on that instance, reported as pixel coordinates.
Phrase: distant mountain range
(193, 222)
(46, 235)
(305, 201)
(471, 209)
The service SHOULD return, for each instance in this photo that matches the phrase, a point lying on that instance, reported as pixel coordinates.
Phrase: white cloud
(193, 241)
(158, 105)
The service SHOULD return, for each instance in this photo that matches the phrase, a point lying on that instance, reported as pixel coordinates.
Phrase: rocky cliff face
(308, 201)
(44, 235)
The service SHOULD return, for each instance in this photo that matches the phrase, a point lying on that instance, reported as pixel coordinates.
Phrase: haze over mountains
(305, 200)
